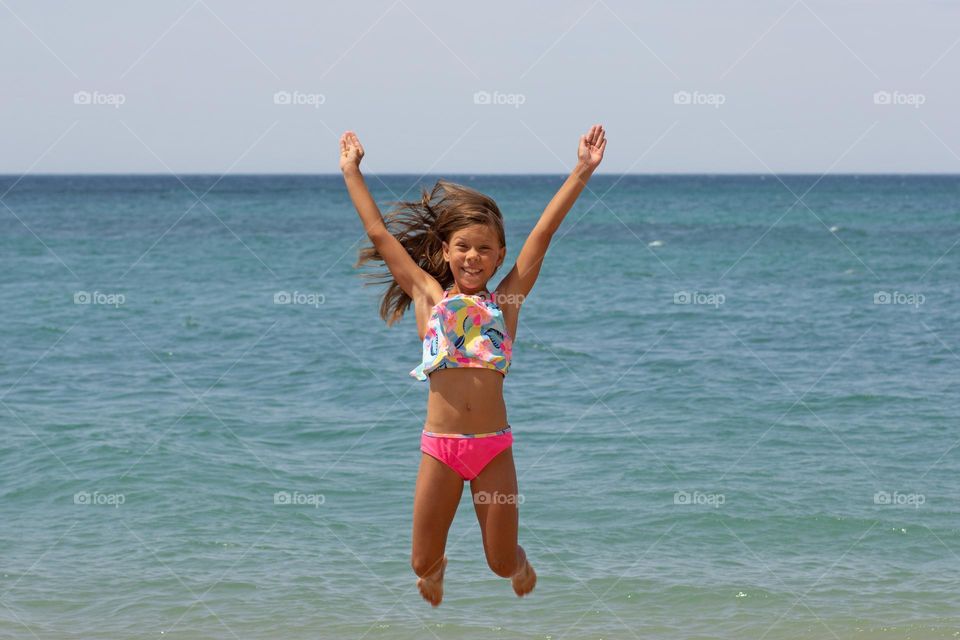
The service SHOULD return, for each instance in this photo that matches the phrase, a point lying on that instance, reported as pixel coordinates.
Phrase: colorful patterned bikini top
(465, 330)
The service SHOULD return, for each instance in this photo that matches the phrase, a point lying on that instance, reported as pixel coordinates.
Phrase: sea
(735, 402)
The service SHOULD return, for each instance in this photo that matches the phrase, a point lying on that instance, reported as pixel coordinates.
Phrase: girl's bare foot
(431, 587)
(525, 579)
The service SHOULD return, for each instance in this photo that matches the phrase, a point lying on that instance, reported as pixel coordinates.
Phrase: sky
(688, 86)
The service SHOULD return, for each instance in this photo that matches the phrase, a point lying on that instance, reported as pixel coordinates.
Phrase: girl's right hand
(351, 151)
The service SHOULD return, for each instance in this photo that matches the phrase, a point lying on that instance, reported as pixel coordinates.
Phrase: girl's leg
(495, 499)
(434, 504)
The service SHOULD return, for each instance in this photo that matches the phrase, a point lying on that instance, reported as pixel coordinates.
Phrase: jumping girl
(441, 252)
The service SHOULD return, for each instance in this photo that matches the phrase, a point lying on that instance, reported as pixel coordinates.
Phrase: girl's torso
(465, 400)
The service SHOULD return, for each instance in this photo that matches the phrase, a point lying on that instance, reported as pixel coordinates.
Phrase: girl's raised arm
(524, 274)
(412, 279)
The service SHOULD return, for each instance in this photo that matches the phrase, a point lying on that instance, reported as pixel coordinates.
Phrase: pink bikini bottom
(466, 453)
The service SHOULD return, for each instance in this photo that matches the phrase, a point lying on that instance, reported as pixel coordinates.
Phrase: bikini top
(465, 330)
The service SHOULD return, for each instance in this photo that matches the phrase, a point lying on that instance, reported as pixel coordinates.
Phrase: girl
(441, 252)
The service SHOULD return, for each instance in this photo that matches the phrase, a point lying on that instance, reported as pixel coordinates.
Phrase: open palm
(592, 146)
(351, 151)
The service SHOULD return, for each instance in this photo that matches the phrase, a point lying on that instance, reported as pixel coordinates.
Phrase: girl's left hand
(592, 146)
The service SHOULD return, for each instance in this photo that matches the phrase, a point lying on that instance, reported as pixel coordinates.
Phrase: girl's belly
(465, 401)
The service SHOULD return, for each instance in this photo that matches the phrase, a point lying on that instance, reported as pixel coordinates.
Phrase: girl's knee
(503, 566)
(506, 565)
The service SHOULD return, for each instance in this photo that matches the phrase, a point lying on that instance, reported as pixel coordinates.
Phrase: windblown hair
(421, 227)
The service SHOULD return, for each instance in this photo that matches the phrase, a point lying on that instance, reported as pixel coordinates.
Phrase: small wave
(869, 399)
(540, 346)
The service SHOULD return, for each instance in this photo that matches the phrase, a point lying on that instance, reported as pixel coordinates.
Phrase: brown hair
(421, 226)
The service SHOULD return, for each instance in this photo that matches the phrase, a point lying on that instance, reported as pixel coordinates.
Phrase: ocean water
(735, 404)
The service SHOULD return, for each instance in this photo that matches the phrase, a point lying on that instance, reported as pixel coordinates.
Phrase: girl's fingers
(601, 137)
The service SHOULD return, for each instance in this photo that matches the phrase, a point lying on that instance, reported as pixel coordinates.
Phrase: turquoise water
(777, 459)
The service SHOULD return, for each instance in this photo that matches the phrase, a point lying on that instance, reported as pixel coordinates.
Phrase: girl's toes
(524, 580)
(431, 587)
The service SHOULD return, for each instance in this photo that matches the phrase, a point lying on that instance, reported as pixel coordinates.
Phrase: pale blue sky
(783, 85)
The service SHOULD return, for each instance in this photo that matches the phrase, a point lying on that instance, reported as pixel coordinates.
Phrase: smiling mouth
(472, 272)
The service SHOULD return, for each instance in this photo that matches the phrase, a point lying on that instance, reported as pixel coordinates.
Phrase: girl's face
(474, 254)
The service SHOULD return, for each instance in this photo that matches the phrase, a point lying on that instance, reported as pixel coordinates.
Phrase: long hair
(421, 227)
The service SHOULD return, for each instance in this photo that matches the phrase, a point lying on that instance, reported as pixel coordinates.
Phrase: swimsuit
(466, 453)
(465, 331)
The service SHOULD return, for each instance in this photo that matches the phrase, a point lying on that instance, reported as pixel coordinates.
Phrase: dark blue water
(735, 404)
